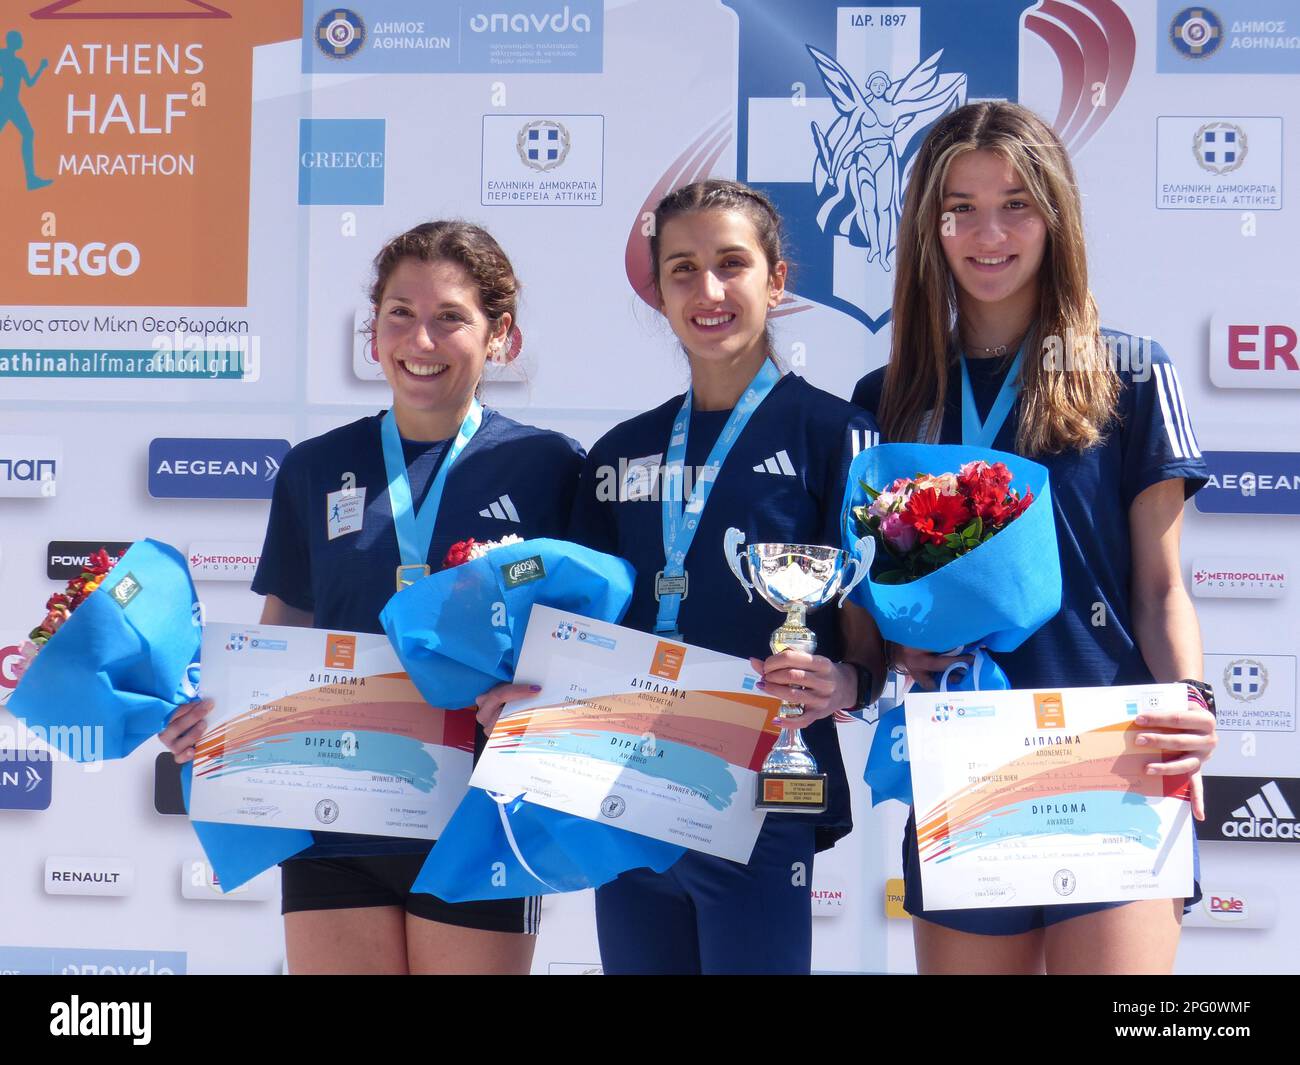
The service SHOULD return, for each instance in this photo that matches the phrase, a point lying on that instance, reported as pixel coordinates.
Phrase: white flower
(479, 550)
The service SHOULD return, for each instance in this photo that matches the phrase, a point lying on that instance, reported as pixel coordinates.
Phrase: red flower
(934, 515)
(458, 553)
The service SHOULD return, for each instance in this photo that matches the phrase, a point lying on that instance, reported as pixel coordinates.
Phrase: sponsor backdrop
(192, 192)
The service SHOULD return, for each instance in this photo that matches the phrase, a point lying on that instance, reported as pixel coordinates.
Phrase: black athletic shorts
(385, 880)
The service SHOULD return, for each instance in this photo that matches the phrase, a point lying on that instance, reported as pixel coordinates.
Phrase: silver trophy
(795, 578)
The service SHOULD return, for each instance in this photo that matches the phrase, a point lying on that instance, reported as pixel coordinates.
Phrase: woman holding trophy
(367, 508)
(763, 454)
(996, 343)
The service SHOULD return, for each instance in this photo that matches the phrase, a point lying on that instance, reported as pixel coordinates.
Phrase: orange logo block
(340, 651)
(668, 660)
(1049, 710)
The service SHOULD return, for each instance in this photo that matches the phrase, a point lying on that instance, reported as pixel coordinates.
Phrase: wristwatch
(1206, 692)
(866, 685)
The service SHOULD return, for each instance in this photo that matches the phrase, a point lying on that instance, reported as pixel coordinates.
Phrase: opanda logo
(340, 33)
(237, 642)
(564, 630)
(518, 22)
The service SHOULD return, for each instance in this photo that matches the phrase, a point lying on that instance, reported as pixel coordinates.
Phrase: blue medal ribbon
(415, 528)
(681, 522)
(977, 433)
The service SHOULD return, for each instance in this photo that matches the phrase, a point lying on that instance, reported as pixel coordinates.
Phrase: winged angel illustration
(857, 167)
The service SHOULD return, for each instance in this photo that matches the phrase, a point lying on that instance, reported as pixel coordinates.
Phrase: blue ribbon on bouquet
(497, 847)
(458, 633)
(237, 853)
(991, 598)
(118, 667)
(887, 770)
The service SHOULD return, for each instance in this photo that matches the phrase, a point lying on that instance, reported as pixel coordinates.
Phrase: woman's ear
(504, 345)
(776, 283)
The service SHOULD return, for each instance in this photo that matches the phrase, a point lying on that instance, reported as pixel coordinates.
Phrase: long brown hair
(1068, 397)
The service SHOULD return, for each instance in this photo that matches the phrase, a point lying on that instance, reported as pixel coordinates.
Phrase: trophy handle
(863, 555)
(730, 542)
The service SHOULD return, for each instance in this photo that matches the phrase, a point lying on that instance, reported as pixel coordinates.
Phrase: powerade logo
(79, 961)
(523, 571)
(1251, 482)
(65, 559)
(184, 468)
(25, 780)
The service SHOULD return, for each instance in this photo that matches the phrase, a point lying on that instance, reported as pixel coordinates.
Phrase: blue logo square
(341, 161)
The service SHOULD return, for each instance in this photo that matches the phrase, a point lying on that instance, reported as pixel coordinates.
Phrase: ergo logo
(45, 259)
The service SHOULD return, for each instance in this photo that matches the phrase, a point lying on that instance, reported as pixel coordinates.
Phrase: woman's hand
(1189, 736)
(924, 667)
(493, 701)
(185, 728)
(817, 684)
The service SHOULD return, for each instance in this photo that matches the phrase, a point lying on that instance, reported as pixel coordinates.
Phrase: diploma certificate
(1030, 798)
(641, 733)
(323, 730)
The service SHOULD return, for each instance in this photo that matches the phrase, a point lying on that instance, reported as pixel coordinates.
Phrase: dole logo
(1227, 908)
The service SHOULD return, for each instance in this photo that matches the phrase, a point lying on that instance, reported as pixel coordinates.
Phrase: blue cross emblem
(1245, 680)
(1229, 142)
(548, 151)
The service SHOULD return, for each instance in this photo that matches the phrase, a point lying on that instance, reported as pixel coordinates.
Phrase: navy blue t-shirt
(509, 479)
(1150, 441)
(782, 482)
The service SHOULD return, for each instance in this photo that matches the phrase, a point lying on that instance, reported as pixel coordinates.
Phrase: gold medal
(408, 575)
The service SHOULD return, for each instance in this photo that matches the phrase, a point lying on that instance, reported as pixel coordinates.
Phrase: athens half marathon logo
(834, 100)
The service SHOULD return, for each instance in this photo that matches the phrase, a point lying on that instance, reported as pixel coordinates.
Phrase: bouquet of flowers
(114, 656)
(923, 522)
(966, 556)
(60, 605)
(459, 632)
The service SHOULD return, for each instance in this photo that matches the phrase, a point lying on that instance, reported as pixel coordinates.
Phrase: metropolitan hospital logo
(834, 101)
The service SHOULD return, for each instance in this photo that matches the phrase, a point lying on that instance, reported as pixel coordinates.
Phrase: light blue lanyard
(681, 522)
(415, 528)
(976, 433)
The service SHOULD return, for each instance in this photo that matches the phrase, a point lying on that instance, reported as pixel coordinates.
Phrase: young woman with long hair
(997, 342)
